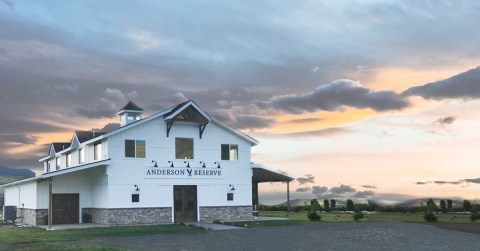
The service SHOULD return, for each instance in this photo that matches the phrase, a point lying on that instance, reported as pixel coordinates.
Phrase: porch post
(288, 199)
(50, 213)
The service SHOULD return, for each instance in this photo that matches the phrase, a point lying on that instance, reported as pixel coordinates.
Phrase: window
(183, 148)
(134, 148)
(48, 166)
(69, 160)
(57, 163)
(81, 156)
(229, 196)
(135, 197)
(229, 152)
(97, 151)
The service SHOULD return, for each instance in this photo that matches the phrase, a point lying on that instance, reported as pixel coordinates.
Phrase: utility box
(9, 213)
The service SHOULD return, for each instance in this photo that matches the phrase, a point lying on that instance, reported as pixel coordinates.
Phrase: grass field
(330, 217)
(16, 235)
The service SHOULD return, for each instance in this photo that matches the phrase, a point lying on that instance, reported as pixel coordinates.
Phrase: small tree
(333, 204)
(326, 205)
(443, 206)
(350, 205)
(431, 206)
(358, 216)
(449, 205)
(467, 206)
(314, 206)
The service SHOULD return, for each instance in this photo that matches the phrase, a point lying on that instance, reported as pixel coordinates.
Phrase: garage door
(65, 208)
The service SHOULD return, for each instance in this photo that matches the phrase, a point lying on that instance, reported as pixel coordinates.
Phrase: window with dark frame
(81, 156)
(48, 166)
(229, 152)
(134, 148)
(68, 162)
(229, 196)
(135, 197)
(57, 163)
(183, 148)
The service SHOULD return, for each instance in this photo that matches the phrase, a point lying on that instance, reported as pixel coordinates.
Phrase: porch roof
(263, 174)
(104, 162)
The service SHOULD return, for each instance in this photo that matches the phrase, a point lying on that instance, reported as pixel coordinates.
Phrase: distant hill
(6, 171)
(456, 202)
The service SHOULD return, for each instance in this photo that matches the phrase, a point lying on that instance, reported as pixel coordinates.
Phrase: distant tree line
(445, 206)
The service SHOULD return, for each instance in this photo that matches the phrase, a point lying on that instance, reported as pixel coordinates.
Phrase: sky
(368, 100)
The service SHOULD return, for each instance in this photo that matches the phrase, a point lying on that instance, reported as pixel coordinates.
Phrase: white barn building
(179, 165)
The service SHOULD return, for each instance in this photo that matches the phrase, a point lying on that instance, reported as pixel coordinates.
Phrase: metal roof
(263, 174)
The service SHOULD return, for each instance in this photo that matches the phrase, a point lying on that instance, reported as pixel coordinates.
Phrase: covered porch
(262, 174)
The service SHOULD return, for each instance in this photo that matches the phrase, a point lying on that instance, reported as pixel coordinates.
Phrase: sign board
(181, 173)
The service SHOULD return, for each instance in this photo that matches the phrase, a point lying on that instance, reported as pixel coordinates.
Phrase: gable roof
(60, 146)
(130, 106)
(185, 105)
(83, 136)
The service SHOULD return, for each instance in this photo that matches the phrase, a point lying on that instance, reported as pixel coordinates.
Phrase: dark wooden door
(185, 203)
(65, 208)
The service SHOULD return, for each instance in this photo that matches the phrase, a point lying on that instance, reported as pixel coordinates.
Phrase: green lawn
(330, 217)
(15, 235)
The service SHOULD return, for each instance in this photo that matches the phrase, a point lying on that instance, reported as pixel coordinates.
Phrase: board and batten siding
(124, 173)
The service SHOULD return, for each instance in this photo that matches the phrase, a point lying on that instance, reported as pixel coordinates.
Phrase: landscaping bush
(358, 216)
(313, 216)
(429, 217)
(474, 217)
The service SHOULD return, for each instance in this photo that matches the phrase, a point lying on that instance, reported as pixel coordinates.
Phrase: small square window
(183, 148)
(135, 197)
(229, 196)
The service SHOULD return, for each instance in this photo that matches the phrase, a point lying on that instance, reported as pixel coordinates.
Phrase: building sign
(181, 173)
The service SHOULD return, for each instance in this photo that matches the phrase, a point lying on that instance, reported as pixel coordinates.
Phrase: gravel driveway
(310, 236)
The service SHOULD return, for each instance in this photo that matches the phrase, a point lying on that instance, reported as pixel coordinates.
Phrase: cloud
(477, 180)
(304, 189)
(336, 96)
(309, 178)
(442, 122)
(144, 40)
(328, 132)
(319, 190)
(369, 186)
(342, 189)
(236, 118)
(441, 182)
(304, 121)
(18, 138)
(422, 183)
(9, 3)
(464, 85)
(364, 194)
(109, 104)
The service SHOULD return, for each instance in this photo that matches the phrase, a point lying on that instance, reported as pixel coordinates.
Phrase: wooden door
(185, 203)
(65, 208)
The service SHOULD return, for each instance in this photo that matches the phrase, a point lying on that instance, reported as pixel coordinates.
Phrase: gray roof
(60, 146)
(131, 106)
(262, 174)
(87, 135)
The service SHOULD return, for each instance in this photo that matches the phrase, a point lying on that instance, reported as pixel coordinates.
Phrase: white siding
(22, 195)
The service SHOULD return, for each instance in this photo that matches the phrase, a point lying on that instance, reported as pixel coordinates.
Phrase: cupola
(130, 113)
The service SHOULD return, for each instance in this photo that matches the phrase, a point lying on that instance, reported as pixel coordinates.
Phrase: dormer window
(97, 151)
(68, 163)
(57, 163)
(81, 156)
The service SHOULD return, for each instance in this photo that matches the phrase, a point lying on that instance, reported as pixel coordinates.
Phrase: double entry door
(185, 203)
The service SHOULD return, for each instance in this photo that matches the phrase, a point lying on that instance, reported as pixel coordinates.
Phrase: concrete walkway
(73, 226)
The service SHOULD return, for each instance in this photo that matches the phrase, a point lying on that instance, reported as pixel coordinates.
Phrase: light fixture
(232, 188)
(188, 163)
(171, 165)
(217, 163)
(155, 165)
(136, 188)
(203, 164)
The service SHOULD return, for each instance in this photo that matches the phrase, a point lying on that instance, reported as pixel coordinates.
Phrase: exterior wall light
(171, 165)
(155, 163)
(188, 163)
(136, 188)
(217, 163)
(203, 164)
(232, 188)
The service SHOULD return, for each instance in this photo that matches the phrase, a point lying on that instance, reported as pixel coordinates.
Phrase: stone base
(226, 213)
(124, 216)
(32, 217)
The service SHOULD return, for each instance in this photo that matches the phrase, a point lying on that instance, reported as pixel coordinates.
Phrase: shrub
(429, 217)
(313, 216)
(358, 216)
(474, 217)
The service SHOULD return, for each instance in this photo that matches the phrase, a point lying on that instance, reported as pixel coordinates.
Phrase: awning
(262, 174)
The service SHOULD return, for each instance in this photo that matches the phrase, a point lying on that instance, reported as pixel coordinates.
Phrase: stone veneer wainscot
(226, 213)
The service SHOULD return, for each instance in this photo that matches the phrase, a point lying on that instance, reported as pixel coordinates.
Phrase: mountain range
(8, 175)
